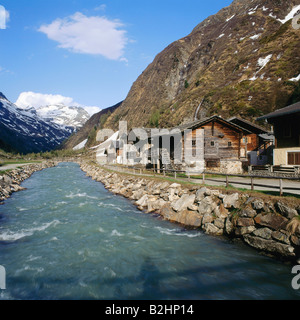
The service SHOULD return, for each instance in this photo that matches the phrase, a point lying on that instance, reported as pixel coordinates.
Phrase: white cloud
(102, 7)
(36, 100)
(4, 17)
(91, 110)
(88, 35)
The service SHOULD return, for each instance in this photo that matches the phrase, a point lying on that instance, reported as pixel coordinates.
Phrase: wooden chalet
(226, 144)
(286, 123)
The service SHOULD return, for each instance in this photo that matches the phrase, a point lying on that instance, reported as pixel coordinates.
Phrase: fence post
(164, 172)
(281, 187)
(252, 184)
(203, 178)
(175, 174)
(227, 182)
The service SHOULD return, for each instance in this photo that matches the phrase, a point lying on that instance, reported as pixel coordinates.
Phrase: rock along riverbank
(10, 181)
(268, 224)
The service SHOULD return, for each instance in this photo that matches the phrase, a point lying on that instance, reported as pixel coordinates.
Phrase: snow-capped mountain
(62, 115)
(25, 131)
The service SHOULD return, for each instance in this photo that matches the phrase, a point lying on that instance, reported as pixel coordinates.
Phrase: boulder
(138, 194)
(231, 201)
(209, 192)
(207, 205)
(200, 194)
(286, 211)
(207, 218)
(244, 230)
(281, 236)
(228, 226)
(172, 196)
(248, 212)
(271, 220)
(219, 223)
(264, 233)
(155, 205)
(183, 203)
(189, 218)
(270, 246)
(258, 204)
(213, 230)
(221, 212)
(143, 201)
(193, 207)
(175, 186)
(245, 222)
(295, 240)
(168, 213)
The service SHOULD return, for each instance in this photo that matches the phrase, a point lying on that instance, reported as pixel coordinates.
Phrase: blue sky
(88, 51)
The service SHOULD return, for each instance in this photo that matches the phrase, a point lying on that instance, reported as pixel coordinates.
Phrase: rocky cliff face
(242, 61)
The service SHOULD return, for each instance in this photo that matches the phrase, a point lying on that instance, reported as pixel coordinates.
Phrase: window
(294, 158)
(212, 143)
(229, 144)
(212, 163)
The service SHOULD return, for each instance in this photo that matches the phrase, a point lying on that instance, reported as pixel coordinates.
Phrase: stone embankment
(269, 224)
(11, 181)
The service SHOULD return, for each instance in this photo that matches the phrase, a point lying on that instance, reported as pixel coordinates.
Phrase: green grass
(222, 188)
(18, 162)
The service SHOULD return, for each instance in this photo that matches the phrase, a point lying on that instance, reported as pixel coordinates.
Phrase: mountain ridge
(239, 61)
(25, 132)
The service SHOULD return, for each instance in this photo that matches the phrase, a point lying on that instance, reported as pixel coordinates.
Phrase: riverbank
(269, 224)
(10, 181)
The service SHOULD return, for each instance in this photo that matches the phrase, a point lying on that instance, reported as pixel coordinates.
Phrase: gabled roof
(254, 128)
(199, 123)
(292, 109)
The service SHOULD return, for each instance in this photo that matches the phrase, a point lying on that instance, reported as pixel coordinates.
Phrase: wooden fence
(226, 179)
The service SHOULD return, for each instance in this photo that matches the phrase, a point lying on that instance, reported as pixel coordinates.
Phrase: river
(66, 237)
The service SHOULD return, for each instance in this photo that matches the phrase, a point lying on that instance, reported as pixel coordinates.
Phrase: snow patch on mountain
(26, 131)
(81, 145)
(290, 15)
(63, 115)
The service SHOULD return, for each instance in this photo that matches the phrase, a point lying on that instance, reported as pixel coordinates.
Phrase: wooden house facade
(286, 123)
(224, 144)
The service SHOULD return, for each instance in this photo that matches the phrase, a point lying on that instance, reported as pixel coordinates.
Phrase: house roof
(254, 128)
(294, 108)
(199, 123)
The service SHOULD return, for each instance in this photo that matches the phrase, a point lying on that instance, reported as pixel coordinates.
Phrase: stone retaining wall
(270, 225)
(10, 181)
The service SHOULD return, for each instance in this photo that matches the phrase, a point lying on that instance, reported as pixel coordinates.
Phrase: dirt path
(13, 166)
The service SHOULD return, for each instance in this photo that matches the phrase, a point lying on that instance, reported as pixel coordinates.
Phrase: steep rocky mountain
(89, 130)
(24, 131)
(244, 60)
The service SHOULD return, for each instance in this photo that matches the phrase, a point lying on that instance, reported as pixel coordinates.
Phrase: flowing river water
(66, 237)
